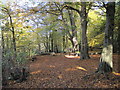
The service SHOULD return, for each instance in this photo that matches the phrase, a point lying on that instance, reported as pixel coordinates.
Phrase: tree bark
(63, 43)
(84, 44)
(106, 63)
(13, 33)
(3, 44)
(73, 37)
(52, 42)
(118, 40)
(118, 44)
(39, 47)
(47, 43)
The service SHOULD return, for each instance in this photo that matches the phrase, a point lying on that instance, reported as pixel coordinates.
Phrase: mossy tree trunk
(106, 63)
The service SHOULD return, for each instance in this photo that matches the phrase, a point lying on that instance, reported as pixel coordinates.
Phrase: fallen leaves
(67, 72)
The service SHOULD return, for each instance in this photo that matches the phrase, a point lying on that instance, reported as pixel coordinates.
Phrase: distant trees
(56, 9)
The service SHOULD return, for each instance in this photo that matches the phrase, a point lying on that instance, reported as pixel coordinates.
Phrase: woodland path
(61, 72)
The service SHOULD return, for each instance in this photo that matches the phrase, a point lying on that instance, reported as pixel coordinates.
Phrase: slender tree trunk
(63, 43)
(52, 42)
(4, 73)
(49, 42)
(38, 41)
(39, 47)
(14, 40)
(3, 44)
(52, 45)
(29, 52)
(84, 44)
(106, 63)
(56, 49)
(7, 42)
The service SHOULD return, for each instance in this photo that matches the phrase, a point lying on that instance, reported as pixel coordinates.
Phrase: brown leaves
(61, 72)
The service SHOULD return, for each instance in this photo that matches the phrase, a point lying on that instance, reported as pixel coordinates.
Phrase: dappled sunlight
(70, 69)
(36, 72)
(51, 66)
(46, 78)
(118, 74)
(76, 68)
(71, 56)
(60, 76)
(81, 68)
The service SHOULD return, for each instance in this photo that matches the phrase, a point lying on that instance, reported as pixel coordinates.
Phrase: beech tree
(73, 37)
(106, 63)
(83, 13)
(72, 34)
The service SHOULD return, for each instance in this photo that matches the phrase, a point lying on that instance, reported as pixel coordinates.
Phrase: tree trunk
(56, 49)
(73, 37)
(3, 80)
(51, 42)
(39, 47)
(3, 44)
(106, 63)
(7, 42)
(67, 30)
(84, 44)
(118, 40)
(63, 43)
(13, 33)
(118, 45)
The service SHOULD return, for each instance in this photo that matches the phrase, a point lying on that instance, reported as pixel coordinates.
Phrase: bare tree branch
(69, 7)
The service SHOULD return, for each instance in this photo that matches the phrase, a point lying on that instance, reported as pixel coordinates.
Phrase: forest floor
(64, 71)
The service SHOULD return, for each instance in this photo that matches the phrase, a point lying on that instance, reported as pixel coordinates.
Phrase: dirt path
(59, 72)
